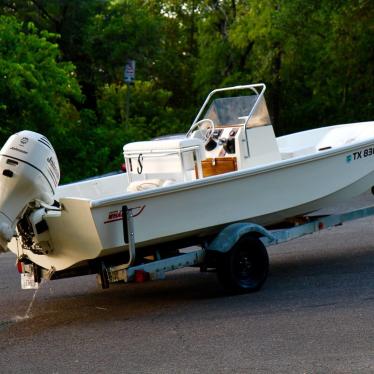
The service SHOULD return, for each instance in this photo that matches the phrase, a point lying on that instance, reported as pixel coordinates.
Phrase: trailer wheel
(244, 268)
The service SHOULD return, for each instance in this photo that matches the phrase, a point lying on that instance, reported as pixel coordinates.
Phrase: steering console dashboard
(222, 142)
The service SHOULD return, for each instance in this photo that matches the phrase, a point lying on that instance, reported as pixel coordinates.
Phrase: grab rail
(253, 87)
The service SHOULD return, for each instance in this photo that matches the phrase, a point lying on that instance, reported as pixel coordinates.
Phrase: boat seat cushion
(148, 184)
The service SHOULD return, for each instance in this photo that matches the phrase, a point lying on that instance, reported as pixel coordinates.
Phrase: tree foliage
(62, 61)
(36, 90)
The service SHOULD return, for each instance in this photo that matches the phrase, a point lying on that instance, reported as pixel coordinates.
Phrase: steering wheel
(205, 127)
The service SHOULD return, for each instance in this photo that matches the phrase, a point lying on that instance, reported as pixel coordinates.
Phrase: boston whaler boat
(220, 187)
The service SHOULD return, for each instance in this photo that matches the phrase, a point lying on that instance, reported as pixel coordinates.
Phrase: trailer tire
(244, 268)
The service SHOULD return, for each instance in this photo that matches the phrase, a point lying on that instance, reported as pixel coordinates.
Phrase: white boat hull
(91, 228)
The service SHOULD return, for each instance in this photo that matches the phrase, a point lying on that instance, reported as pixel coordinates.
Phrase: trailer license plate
(28, 282)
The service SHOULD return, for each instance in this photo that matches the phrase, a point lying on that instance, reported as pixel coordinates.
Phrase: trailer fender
(230, 235)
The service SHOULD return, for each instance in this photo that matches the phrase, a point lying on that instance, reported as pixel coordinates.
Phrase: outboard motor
(29, 172)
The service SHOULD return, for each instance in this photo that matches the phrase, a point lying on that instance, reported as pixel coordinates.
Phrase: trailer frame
(214, 253)
(225, 240)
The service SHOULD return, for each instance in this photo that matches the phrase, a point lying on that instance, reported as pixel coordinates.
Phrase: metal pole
(127, 104)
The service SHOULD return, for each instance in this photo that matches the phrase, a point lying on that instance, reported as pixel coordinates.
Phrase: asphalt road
(314, 315)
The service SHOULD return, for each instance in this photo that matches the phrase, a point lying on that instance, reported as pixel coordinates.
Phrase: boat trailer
(238, 253)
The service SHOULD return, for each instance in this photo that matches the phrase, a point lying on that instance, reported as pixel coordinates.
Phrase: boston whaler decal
(116, 215)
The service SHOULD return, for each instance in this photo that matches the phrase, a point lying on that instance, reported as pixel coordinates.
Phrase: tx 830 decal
(360, 154)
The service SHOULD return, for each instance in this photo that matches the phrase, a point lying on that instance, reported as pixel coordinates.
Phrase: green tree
(35, 89)
(69, 19)
(315, 57)
(122, 30)
(151, 117)
(175, 65)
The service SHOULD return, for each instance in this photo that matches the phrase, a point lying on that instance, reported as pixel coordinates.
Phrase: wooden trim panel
(219, 165)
